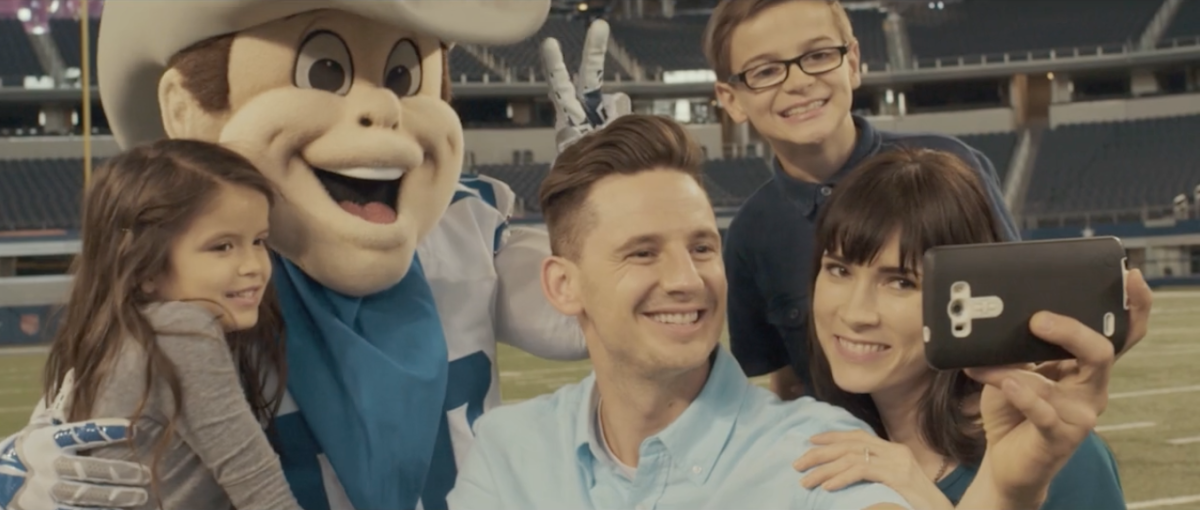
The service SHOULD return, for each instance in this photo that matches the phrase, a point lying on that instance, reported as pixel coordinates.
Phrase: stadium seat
(17, 58)
(740, 177)
(663, 44)
(465, 65)
(39, 194)
(523, 179)
(65, 33)
(998, 147)
(1186, 23)
(1116, 165)
(525, 58)
(974, 28)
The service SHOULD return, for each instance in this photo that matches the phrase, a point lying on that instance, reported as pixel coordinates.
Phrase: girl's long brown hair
(930, 199)
(139, 202)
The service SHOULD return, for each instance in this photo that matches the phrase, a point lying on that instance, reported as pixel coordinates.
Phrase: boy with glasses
(789, 68)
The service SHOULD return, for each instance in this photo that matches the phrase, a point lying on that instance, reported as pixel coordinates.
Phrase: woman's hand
(844, 458)
(1035, 417)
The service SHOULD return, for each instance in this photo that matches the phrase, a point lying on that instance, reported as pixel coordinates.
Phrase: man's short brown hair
(730, 14)
(629, 145)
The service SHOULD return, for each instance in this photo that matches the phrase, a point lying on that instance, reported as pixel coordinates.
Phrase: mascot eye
(403, 71)
(323, 63)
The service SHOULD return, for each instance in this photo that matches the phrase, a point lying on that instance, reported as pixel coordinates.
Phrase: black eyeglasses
(770, 74)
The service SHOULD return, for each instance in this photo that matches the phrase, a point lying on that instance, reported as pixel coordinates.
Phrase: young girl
(868, 349)
(171, 322)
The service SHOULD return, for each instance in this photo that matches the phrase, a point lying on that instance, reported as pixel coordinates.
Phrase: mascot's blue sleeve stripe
(485, 189)
(499, 236)
(486, 192)
(460, 194)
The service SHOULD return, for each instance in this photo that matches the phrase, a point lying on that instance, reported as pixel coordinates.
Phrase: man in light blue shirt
(668, 419)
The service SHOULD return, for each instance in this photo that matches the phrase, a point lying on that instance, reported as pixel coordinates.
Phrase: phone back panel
(996, 288)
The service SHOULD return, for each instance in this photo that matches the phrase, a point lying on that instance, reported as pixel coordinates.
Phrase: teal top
(1088, 480)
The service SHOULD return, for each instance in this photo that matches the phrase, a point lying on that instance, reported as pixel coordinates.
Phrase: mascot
(397, 275)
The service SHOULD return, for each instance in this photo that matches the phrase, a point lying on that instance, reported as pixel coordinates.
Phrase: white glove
(39, 469)
(579, 106)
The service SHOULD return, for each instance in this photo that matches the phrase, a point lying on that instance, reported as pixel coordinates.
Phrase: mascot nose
(370, 119)
(380, 111)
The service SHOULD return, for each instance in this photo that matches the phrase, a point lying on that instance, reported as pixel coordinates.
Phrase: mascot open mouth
(369, 193)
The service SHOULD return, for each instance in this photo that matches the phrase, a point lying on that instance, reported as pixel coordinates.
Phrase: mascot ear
(182, 114)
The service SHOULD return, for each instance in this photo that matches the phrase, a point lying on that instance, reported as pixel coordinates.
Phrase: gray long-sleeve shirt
(218, 458)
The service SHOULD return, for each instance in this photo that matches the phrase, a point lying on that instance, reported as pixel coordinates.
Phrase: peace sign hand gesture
(580, 106)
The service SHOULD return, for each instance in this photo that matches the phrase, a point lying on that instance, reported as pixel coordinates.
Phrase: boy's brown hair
(730, 14)
(629, 145)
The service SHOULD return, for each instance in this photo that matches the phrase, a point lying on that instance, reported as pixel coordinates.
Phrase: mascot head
(342, 103)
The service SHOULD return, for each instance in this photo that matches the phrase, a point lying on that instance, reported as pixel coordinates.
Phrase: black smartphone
(977, 300)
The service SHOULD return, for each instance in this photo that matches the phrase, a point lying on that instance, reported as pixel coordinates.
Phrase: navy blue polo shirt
(769, 251)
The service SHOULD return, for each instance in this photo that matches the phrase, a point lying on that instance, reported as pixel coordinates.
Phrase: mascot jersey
(459, 261)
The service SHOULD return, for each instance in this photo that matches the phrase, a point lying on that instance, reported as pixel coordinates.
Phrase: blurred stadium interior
(1089, 109)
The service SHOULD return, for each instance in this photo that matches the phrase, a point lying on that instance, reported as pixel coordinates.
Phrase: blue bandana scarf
(369, 376)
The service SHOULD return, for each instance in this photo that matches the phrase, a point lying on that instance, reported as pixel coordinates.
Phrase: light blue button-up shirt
(732, 448)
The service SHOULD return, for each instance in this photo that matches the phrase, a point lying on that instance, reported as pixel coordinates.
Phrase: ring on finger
(867, 454)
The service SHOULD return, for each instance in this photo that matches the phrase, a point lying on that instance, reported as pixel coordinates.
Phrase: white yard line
(1160, 391)
(24, 350)
(14, 391)
(1155, 503)
(1126, 426)
(1180, 294)
(1184, 440)
(1154, 353)
(1181, 330)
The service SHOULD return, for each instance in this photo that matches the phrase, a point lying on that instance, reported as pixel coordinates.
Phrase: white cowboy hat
(138, 37)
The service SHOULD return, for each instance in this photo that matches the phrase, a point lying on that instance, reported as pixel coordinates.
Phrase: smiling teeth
(372, 174)
(803, 109)
(861, 347)
(243, 294)
(675, 318)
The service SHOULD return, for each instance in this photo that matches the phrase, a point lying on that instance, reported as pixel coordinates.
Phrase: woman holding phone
(868, 356)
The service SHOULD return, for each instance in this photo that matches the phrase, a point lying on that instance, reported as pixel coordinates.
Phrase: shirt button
(793, 313)
(697, 469)
(826, 190)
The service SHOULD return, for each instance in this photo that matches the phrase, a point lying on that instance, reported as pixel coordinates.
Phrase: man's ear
(560, 285)
(729, 102)
(182, 115)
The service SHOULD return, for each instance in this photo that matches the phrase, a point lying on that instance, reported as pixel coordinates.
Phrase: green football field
(1152, 423)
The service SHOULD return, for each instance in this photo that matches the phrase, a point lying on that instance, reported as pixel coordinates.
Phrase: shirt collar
(808, 195)
(586, 449)
(697, 437)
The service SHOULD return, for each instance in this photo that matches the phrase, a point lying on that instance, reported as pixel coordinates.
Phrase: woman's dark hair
(928, 198)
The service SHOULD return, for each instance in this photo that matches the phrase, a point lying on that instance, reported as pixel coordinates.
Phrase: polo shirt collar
(808, 195)
(697, 437)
